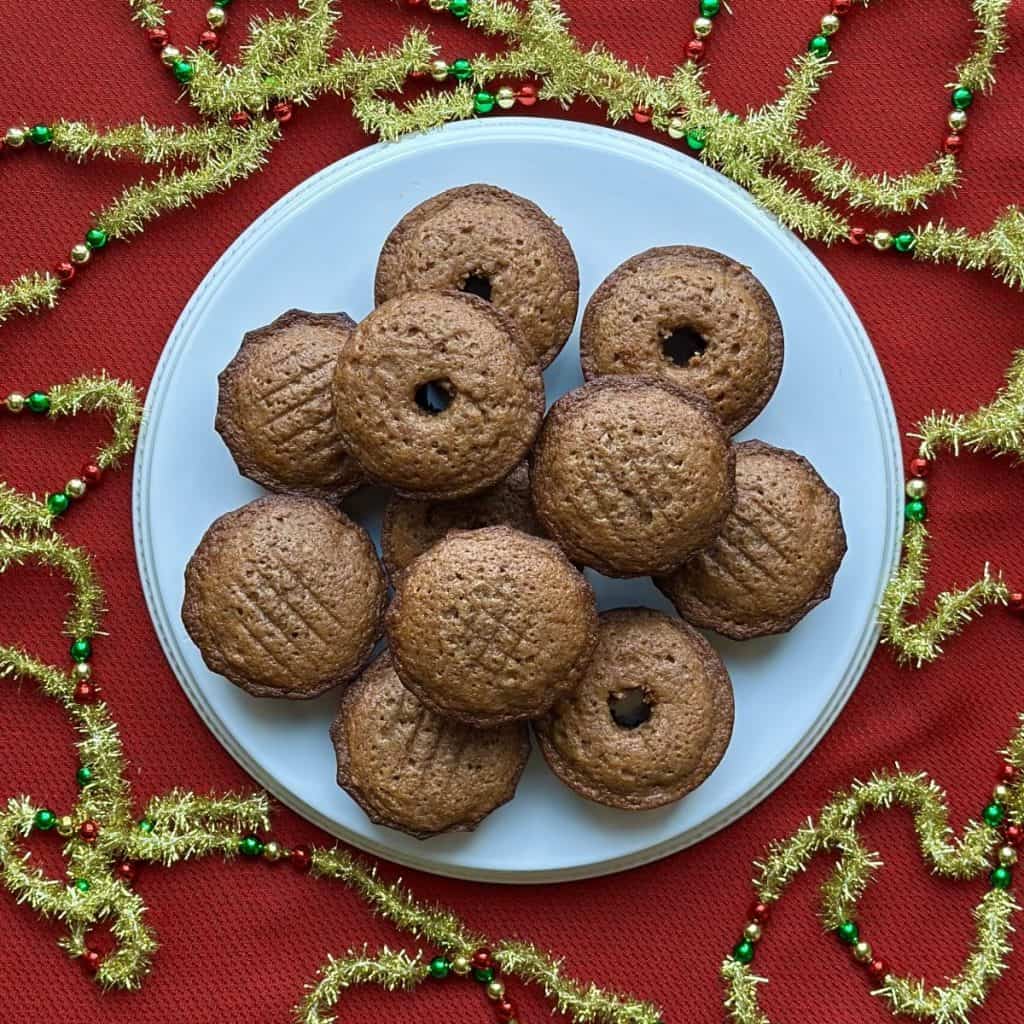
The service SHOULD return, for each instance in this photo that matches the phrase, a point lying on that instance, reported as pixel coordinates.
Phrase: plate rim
(551, 130)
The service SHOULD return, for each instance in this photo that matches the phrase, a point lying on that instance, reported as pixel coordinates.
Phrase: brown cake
(493, 244)
(410, 527)
(275, 411)
(284, 597)
(651, 718)
(412, 769)
(694, 317)
(491, 626)
(632, 475)
(434, 396)
(777, 555)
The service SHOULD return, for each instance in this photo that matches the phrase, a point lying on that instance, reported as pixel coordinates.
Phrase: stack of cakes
(492, 627)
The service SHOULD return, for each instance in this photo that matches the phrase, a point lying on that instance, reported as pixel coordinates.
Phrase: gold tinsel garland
(289, 57)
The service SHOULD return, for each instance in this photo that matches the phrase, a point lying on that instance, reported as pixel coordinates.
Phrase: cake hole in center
(630, 708)
(682, 344)
(435, 396)
(478, 285)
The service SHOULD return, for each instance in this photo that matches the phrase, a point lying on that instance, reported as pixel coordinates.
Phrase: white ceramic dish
(614, 195)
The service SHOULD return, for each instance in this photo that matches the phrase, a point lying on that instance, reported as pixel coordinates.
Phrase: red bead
(695, 49)
(952, 143)
(413, 3)
(126, 871)
(282, 111)
(65, 271)
(418, 73)
(1016, 601)
(86, 693)
(1013, 834)
(505, 1010)
(920, 468)
(642, 115)
(209, 40)
(89, 830)
(157, 37)
(878, 969)
(857, 236)
(527, 95)
(482, 959)
(240, 119)
(759, 912)
(300, 858)
(92, 960)
(842, 6)
(91, 473)
(1007, 773)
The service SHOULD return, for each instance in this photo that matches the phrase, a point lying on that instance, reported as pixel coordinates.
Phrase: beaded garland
(286, 65)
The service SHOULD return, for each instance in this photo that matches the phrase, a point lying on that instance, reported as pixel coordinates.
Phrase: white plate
(614, 195)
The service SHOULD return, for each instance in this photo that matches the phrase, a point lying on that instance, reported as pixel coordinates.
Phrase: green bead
(38, 402)
(709, 8)
(84, 775)
(962, 97)
(461, 69)
(819, 46)
(993, 815)
(95, 238)
(696, 139)
(82, 884)
(848, 933)
(58, 503)
(145, 825)
(915, 510)
(221, 3)
(1001, 878)
(460, 8)
(743, 952)
(183, 71)
(483, 102)
(439, 967)
(483, 974)
(250, 846)
(904, 241)
(81, 650)
(45, 819)
(41, 135)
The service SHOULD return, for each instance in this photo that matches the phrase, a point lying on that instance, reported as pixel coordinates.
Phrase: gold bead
(702, 27)
(439, 70)
(169, 54)
(506, 97)
(83, 671)
(829, 25)
(1007, 856)
(75, 488)
(1001, 793)
(65, 825)
(271, 850)
(916, 489)
(881, 240)
(460, 965)
(495, 990)
(677, 128)
(15, 401)
(15, 137)
(438, 5)
(957, 120)
(862, 952)
(80, 253)
(752, 933)
(216, 17)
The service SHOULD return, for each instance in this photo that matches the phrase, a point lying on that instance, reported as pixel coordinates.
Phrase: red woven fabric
(238, 943)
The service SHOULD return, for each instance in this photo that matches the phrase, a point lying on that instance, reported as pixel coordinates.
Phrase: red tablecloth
(238, 943)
